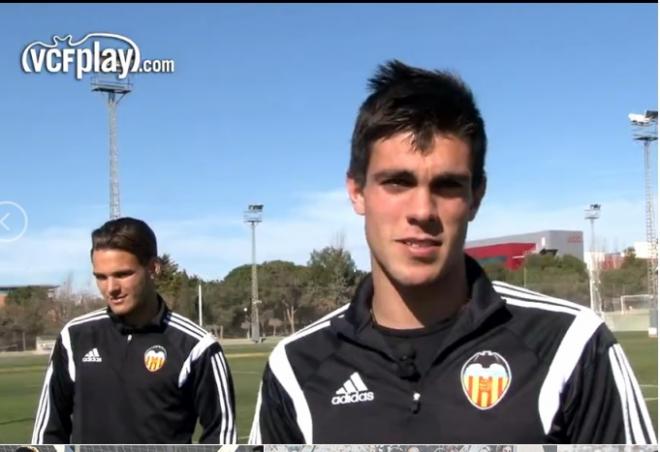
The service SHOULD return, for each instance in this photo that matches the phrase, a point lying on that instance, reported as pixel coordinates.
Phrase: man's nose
(422, 207)
(113, 286)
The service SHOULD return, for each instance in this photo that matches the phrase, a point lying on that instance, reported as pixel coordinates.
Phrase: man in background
(134, 372)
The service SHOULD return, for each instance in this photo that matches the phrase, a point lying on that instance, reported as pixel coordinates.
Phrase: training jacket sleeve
(603, 401)
(274, 417)
(53, 419)
(214, 396)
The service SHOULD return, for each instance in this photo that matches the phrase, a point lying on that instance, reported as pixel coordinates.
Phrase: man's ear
(154, 267)
(355, 193)
(477, 196)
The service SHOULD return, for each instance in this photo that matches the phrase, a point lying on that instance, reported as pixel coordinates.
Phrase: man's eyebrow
(452, 177)
(391, 173)
(448, 176)
(115, 273)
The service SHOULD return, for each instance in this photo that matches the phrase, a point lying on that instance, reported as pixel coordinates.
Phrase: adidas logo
(353, 391)
(92, 356)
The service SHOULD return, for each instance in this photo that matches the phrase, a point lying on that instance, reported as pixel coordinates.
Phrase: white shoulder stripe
(228, 427)
(189, 323)
(636, 404)
(183, 327)
(537, 305)
(222, 439)
(563, 363)
(193, 356)
(224, 371)
(511, 286)
(90, 316)
(282, 370)
(630, 409)
(516, 292)
(87, 318)
(255, 431)
(223, 407)
(640, 399)
(43, 412)
(620, 386)
(334, 313)
(66, 342)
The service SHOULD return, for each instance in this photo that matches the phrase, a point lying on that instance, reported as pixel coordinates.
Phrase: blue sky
(261, 106)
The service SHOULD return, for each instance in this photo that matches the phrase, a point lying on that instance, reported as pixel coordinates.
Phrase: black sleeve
(52, 424)
(274, 417)
(214, 397)
(603, 403)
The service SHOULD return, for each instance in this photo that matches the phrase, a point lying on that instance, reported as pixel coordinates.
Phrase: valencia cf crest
(154, 358)
(485, 378)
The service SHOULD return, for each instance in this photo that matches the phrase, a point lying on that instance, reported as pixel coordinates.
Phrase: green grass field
(21, 379)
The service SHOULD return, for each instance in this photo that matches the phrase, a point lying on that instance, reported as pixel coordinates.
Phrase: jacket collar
(156, 324)
(483, 305)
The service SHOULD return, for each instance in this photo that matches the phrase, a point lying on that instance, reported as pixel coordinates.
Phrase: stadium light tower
(115, 90)
(645, 129)
(592, 213)
(253, 216)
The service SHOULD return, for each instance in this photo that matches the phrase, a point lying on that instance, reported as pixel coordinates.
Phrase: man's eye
(397, 183)
(449, 186)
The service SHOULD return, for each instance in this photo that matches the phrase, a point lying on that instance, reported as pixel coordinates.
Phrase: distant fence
(44, 345)
(632, 320)
(631, 313)
(16, 342)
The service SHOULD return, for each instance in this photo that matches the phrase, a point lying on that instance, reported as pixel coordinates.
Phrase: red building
(510, 250)
(509, 254)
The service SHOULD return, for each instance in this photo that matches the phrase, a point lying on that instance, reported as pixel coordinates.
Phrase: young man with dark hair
(135, 372)
(430, 350)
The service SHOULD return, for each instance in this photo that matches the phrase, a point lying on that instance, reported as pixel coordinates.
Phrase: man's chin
(119, 310)
(417, 279)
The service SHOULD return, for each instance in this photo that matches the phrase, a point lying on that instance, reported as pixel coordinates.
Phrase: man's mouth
(420, 243)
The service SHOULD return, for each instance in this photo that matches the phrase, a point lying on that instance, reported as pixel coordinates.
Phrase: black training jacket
(517, 367)
(108, 383)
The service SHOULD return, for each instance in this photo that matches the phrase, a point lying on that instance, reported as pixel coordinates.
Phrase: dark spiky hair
(423, 102)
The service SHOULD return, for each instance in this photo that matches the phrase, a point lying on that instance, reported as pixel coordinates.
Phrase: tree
(229, 299)
(275, 323)
(497, 271)
(629, 279)
(177, 288)
(332, 278)
(282, 286)
(28, 311)
(170, 281)
(558, 276)
(65, 301)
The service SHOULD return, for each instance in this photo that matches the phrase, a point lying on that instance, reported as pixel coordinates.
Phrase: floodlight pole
(646, 133)
(592, 213)
(115, 92)
(199, 298)
(253, 216)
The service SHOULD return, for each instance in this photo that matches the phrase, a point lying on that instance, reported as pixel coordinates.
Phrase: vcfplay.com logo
(108, 53)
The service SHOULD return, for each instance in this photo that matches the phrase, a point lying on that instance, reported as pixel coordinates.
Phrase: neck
(408, 307)
(144, 314)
